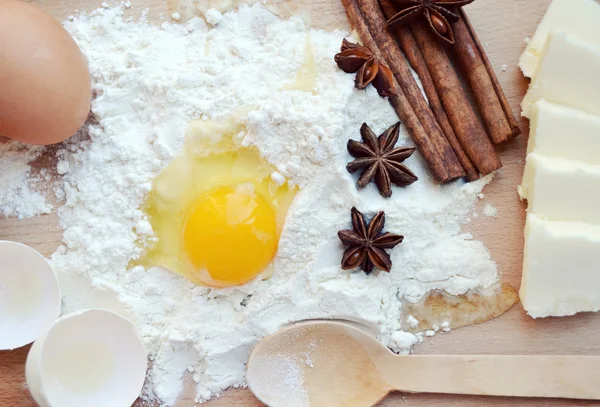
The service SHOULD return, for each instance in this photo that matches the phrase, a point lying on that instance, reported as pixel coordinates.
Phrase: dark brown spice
(379, 160)
(462, 114)
(367, 243)
(356, 58)
(408, 102)
(488, 94)
(438, 14)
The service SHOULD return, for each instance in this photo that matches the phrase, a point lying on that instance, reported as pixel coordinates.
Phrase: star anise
(380, 160)
(438, 13)
(367, 244)
(356, 58)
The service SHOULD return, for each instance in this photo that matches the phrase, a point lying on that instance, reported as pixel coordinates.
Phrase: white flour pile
(19, 196)
(149, 83)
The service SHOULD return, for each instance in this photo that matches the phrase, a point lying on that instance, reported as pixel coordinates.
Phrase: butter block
(561, 271)
(579, 18)
(563, 190)
(564, 132)
(568, 74)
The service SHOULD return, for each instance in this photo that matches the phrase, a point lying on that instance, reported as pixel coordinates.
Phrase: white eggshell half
(29, 295)
(91, 358)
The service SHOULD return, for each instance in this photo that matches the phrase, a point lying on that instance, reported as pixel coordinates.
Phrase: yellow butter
(560, 189)
(561, 272)
(579, 18)
(563, 132)
(568, 74)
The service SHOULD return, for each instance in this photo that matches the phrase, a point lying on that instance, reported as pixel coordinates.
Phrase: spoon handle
(576, 377)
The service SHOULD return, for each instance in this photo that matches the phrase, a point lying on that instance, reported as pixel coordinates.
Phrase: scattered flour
(490, 210)
(283, 376)
(18, 194)
(149, 82)
(412, 321)
(403, 341)
(213, 16)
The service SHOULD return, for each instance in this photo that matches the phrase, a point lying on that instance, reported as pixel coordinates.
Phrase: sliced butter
(559, 189)
(568, 74)
(561, 271)
(580, 18)
(564, 132)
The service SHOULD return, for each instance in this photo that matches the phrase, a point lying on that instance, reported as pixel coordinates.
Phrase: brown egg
(45, 89)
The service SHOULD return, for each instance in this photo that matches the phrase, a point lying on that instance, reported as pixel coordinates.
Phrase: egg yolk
(229, 236)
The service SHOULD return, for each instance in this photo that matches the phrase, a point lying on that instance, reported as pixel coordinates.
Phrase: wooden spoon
(330, 364)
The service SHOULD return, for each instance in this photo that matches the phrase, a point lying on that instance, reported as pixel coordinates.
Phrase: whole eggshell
(45, 88)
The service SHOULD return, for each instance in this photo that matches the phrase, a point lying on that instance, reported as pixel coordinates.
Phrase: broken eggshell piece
(91, 358)
(29, 295)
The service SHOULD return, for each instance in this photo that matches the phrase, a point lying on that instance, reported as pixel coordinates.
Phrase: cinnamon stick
(466, 123)
(434, 148)
(415, 57)
(493, 105)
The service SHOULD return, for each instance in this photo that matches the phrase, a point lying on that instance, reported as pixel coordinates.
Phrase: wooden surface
(502, 26)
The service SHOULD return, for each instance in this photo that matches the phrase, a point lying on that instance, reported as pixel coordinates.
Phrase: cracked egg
(217, 210)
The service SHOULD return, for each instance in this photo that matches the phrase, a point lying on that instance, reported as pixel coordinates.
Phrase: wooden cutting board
(502, 26)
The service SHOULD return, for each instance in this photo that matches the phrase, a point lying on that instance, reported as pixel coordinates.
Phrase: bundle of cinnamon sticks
(454, 136)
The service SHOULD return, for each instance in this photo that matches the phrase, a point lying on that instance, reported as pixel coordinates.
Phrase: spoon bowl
(318, 363)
